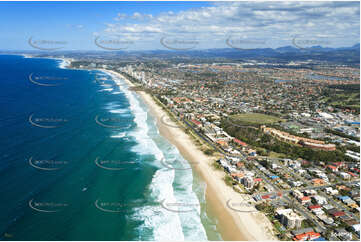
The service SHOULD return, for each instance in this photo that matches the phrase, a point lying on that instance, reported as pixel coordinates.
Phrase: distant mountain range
(316, 48)
(346, 55)
(343, 55)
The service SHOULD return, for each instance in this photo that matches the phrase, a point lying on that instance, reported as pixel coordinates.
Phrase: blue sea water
(82, 159)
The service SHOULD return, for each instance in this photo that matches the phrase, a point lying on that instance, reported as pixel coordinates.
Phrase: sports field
(255, 118)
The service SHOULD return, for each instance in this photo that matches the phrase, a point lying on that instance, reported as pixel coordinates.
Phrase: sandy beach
(65, 62)
(246, 223)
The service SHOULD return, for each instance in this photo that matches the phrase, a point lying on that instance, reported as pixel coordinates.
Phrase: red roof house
(307, 236)
(352, 174)
(197, 123)
(312, 207)
(332, 168)
(241, 143)
(304, 199)
(338, 214)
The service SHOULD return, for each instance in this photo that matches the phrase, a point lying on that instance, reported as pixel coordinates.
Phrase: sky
(177, 25)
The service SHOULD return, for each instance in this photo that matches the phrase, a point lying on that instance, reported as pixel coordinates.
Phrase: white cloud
(274, 21)
(120, 16)
(76, 26)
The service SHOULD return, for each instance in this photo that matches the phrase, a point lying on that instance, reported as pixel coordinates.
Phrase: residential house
(332, 168)
(307, 236)
(319, 200)
(345, 175)
(304, 200)
(331, 191)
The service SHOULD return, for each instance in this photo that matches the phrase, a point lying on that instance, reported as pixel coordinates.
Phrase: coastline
(233, 225)
(65, 62)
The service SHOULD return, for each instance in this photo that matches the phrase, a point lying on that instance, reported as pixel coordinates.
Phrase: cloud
(139, 16)
(120, 16)
(275, 21)
(75, 26)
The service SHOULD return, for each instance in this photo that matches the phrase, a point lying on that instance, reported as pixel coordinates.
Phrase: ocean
(82, 159)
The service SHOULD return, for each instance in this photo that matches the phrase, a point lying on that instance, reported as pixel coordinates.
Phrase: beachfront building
(289, 218)
(248, 181)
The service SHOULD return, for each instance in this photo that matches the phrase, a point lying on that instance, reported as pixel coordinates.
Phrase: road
(297, 206)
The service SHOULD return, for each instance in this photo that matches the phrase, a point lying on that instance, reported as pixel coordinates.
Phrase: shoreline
(233, 225)
(65, 62)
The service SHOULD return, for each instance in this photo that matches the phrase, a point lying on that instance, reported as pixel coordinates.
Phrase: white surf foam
(106, 85)
(193, 229)
(120, 135)
(106, 90)
(165, 224)
(64, 63)
(120, 111)
(112, 105)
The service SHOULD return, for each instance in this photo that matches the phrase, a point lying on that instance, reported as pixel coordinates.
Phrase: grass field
(255, 118)
(350, 100)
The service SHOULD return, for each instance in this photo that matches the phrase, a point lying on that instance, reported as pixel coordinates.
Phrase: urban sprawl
(287, 137)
